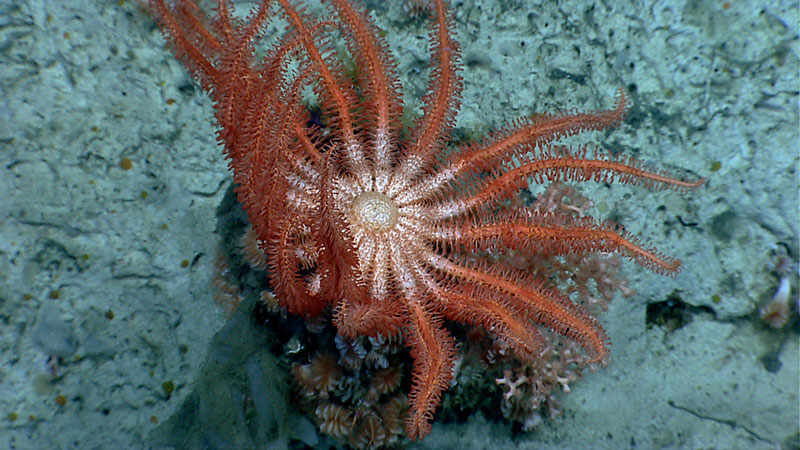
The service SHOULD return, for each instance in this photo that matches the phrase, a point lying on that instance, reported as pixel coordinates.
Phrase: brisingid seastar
(355, 214)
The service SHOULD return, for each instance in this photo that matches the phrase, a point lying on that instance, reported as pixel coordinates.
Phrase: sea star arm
(561, 164)
(472, 303)
(441, 102)
(285, 261)
(371, 318)
(542, 305)
(380, 87)
(524, 136)
(272, 138)
(192, 42)
(344, 281)
(340, 98)
(237, 78)
(433, 351)
(551, 234)
(479, 306)
(528, 134)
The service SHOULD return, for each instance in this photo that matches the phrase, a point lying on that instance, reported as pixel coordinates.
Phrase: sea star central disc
(375, 212)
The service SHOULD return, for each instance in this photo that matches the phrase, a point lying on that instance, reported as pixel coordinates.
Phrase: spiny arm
(527, 135)
(479, 306)
(379, 82)
(342, 99)
(536, 131)
(543, 306)
(549, 234)
(433, 351)
(441, 102)
(193, 42)
(561, 164)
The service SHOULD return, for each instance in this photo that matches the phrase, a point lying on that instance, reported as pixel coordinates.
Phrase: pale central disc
(375, 212)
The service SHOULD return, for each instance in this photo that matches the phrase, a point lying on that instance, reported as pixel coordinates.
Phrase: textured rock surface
(121, 255)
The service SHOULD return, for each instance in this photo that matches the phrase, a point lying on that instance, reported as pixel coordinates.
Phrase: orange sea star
(383, 227)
